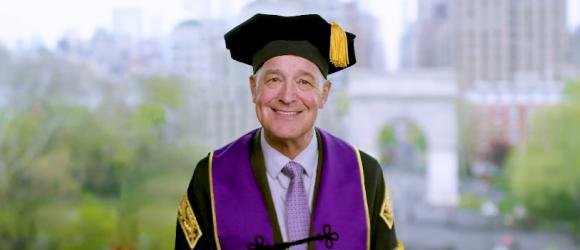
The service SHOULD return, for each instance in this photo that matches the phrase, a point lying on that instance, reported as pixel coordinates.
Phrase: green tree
(78, 175)
(544, 171)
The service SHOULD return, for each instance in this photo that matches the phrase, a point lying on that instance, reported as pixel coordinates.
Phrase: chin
(287, 133)
(283, 134)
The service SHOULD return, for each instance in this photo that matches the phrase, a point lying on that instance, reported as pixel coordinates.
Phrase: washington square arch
(422, 100)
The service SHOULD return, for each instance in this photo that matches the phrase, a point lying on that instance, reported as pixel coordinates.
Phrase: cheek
(264, 96)
(312, 101)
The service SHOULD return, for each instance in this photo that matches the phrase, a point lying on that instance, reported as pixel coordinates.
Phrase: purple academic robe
(240, 212)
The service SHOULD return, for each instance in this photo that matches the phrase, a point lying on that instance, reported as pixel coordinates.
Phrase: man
(288, 184)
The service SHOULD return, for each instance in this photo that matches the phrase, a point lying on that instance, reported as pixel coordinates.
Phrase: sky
(44, 22)
(48, 20)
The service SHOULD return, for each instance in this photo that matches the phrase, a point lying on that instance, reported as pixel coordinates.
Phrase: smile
(288, 113)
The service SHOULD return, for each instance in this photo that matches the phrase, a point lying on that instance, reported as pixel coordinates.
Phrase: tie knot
(292, 169)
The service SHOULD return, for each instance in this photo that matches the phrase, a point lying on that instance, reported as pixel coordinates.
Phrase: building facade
(505, 40)
(428, 41)
(501, 114)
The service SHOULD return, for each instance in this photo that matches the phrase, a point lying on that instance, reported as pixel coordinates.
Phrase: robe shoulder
(372, 170)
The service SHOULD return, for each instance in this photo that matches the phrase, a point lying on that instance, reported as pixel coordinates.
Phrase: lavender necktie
(297, 211)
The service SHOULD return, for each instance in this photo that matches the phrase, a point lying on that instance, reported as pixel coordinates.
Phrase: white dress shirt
(278, 182)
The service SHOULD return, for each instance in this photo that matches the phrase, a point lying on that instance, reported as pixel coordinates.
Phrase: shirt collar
(275, 160)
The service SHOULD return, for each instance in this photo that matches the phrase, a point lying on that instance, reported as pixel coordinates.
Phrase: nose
(288, 93)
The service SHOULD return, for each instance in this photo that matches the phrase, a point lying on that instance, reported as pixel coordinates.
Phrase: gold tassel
(338, 46)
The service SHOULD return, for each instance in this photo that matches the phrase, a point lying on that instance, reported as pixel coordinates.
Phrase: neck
(289, 147)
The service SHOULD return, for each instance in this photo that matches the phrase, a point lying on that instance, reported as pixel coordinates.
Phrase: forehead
(290, 64)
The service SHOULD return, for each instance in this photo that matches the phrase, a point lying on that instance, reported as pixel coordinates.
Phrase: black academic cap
(309, 36)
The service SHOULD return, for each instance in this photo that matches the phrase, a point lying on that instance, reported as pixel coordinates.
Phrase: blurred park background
(472, 107)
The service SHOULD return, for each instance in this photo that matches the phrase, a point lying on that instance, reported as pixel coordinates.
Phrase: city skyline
(47, 22)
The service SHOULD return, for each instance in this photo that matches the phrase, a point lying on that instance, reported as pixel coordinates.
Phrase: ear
(325, 90)
(253, 87)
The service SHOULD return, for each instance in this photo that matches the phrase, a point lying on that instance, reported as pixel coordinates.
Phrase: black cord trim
(328, 235)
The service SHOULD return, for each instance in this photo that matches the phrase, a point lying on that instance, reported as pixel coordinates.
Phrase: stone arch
(428, 99)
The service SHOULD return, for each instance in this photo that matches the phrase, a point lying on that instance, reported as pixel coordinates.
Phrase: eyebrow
(303, 72)
(300, 73)
(272, 72)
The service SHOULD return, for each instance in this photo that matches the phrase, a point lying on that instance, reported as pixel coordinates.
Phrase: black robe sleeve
(382, 237)
(199, 198)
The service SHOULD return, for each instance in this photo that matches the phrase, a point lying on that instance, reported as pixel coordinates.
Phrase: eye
(304, 84)
(273, 81)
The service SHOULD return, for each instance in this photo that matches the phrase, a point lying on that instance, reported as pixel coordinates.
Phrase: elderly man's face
(288, 91)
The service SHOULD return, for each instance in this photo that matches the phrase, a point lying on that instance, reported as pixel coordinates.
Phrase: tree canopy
(544, 172)
(82, 167)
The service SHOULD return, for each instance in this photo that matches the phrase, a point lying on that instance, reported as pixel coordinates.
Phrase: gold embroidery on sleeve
(387, 209)
(188, 222)
(400, 246)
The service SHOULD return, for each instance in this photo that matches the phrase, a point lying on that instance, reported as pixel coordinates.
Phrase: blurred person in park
(288, 184)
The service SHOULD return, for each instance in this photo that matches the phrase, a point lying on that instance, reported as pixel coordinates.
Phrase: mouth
(285, 112)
